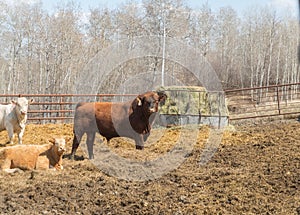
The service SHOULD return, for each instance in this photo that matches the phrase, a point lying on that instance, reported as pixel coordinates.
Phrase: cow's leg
(20, 135)
(7, 166)
(6, 163)
(13, 170)
(139, 142)
(10, 131)
(90, 144)
(76, 141)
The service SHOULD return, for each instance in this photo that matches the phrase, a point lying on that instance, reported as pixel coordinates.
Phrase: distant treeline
(44, 52)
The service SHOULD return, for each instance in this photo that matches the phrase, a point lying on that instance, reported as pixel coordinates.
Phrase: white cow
(13, 117)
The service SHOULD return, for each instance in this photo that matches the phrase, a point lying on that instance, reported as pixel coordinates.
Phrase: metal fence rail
(58, 107)
(244, 103)
(268, 101)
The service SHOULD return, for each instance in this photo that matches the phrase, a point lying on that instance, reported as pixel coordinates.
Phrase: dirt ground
(255, 170)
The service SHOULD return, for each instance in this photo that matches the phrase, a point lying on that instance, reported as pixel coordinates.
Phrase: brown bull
(123, 119)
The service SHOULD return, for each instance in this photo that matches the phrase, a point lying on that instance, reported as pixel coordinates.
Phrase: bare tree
(45, 52)
(203, 26)
(227, 42)
(100, 30)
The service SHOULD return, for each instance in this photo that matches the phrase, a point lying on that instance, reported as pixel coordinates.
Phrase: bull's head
(149, 101)
(22, 105)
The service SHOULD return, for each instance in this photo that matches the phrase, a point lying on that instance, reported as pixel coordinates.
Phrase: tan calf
(29, 157)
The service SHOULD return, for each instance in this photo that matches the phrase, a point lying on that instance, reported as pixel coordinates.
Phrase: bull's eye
(153, 104)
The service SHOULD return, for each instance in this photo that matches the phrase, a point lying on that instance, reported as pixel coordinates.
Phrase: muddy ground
(255, 170)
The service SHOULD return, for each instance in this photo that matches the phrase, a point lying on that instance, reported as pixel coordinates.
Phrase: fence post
(278, 100)
(62, 108)
(199, 107)
(219, 109)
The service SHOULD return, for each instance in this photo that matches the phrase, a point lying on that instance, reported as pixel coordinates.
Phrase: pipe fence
(267, 101)
(243, 103)
(58, 107)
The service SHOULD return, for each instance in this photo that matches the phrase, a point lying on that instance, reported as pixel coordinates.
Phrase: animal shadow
(4, 144)
(76, 157)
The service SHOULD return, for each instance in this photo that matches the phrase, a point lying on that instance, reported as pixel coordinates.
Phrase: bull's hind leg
(76, 141)
(90, 144)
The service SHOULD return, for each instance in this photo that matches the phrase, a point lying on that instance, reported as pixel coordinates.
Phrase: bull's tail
(79, 104)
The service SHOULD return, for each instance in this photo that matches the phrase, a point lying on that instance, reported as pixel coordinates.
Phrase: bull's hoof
(71, 157)
(139, 147)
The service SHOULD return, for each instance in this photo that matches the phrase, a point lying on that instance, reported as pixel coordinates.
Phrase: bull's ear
(139, 101)
(30, 101)
(14, 102)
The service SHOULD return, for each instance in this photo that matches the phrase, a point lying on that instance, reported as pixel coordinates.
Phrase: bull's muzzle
(153, 110)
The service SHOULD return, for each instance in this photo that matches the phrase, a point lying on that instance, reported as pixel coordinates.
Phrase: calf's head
(22, 105)
(59, 145)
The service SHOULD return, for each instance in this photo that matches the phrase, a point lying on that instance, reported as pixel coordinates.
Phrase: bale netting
(193, 105)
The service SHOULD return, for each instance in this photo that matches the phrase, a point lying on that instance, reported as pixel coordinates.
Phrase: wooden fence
(242, 103)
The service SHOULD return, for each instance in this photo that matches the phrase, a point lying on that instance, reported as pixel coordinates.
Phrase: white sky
(239, 5)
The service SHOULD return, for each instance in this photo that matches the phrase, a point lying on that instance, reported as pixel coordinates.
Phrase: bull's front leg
(145, 136)
(139, 142)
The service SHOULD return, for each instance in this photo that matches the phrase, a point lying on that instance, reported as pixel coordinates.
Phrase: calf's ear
(14, 102)
(52, 140)
(67, 139)
(30, 101)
